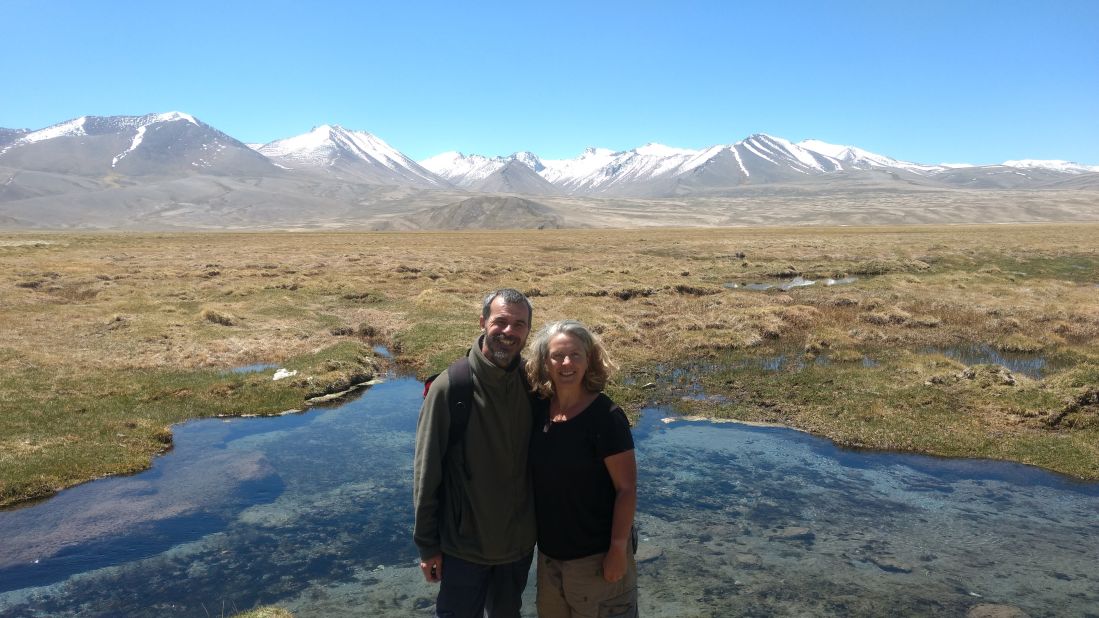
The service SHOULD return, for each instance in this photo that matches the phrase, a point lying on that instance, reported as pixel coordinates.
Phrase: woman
(585, 479)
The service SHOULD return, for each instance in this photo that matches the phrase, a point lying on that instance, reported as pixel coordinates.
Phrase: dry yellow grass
(77, 309)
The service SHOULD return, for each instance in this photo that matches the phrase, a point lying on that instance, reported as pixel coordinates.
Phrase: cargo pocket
(621, 606)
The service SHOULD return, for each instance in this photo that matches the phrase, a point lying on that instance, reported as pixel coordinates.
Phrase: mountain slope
(462, 170)
(852, 158)
(514, 177)
(8, 136)
(488, 213)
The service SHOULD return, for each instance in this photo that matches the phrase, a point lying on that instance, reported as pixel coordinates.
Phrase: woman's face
(568, 360)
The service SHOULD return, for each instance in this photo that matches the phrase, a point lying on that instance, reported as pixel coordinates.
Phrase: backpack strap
(459, 400)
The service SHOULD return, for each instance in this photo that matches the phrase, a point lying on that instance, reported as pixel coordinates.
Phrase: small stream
(313, 512)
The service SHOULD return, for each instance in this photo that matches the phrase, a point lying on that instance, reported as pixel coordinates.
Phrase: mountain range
(171, 170)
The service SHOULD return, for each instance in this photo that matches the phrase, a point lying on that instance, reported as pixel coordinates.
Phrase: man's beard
(500, 350)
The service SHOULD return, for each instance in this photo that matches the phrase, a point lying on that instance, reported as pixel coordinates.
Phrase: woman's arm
(623, 470)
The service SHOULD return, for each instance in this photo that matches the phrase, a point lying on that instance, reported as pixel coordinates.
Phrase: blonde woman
(585, 479)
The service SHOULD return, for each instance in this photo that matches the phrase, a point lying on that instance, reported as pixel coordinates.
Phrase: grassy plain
(108, 339)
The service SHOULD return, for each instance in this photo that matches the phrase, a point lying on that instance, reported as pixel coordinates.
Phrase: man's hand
(433, 568)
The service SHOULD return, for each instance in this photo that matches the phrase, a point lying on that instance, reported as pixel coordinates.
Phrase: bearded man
(475, 527)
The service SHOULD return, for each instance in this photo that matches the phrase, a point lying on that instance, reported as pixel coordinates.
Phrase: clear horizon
(940, 82)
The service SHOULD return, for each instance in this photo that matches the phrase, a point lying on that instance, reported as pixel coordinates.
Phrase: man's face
(506, 329)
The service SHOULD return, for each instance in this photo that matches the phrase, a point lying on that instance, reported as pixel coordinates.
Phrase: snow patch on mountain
(469, 170)
(599, 169)
(173, 116)
(740, 162)
(79, 127)
(355, 152)
(322, 143)
(137, 122)
(530, 160)
(701, 157)
(461, 169)
(851, 158)
(1068, 167)
(657, 169)
(74, 127)
(660, 150)
(750, 146)
(133, 145)
(568, 172)
(784, 149)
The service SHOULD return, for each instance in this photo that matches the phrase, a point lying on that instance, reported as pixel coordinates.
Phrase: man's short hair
(511, 297)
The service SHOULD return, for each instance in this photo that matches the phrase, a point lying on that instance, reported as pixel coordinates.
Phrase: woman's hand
(623, 470)
(614, 564)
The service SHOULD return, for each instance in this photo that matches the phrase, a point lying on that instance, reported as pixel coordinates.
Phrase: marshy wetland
(968, 342)
(108, 339)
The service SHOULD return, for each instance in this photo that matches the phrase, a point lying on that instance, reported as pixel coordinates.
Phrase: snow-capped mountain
(517, 173)
(1068, 167)
(656, 170)
(171, 170)
(349, 155)
(8, 136)
(852, 158)
(463, 170)
(171, 143)
(602, 171)
(515, 177)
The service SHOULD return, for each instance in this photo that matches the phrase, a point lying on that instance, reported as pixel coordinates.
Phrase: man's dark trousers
(470, 590)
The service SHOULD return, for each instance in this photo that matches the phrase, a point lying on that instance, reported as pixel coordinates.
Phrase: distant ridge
(484, 213)
(173, 171)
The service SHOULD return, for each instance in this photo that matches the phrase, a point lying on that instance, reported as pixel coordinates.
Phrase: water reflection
(254, 368)
(312, 512)
(787, 285)
(1029, 364)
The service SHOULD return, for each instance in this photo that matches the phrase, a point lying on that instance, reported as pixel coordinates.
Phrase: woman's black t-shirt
(573, 492)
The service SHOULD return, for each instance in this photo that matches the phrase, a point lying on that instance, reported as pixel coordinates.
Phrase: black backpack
(459, 400)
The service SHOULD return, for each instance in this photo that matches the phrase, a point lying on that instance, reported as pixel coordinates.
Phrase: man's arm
(431, 441)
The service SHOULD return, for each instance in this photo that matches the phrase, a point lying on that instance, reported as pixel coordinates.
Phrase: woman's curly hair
(600, 365)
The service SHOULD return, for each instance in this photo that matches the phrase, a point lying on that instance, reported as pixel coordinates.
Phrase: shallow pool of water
(788, 284)
(312, 512)
(254, 368)
(1033, 365)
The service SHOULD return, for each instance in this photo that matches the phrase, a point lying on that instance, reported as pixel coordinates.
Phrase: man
(475, 527)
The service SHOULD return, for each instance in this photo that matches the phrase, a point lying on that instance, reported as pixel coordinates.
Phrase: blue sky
(929, 81)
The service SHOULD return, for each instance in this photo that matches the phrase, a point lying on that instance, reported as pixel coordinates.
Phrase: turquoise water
(312, 512)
